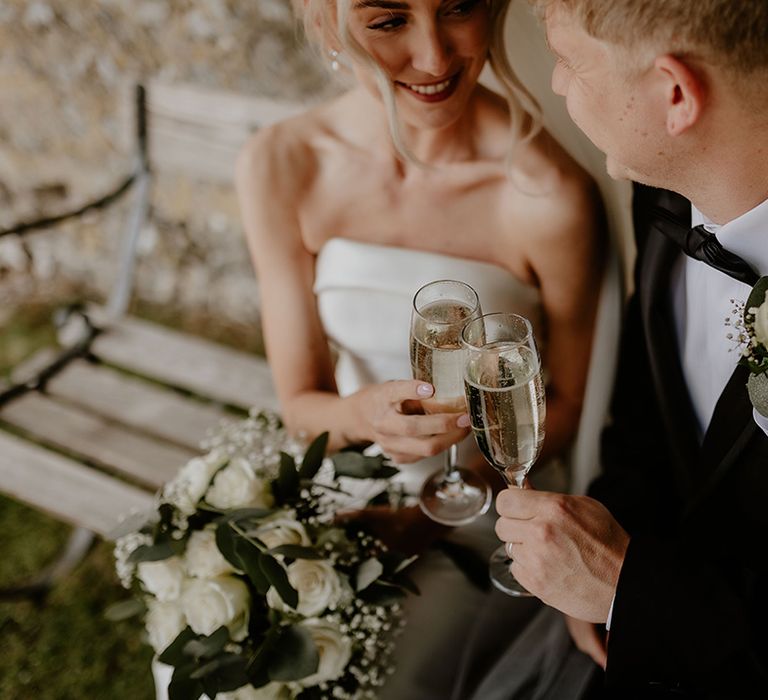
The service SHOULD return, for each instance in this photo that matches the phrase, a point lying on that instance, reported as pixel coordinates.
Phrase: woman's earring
(335, 65)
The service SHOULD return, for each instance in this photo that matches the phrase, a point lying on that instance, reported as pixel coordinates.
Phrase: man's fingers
(523, 503)
(515, 531)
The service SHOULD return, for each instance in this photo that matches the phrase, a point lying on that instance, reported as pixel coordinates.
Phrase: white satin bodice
(365, 292)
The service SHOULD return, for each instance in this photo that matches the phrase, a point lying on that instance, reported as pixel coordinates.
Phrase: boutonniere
(751, 326)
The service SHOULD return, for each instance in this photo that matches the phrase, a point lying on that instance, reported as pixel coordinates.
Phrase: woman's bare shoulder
(285, 156)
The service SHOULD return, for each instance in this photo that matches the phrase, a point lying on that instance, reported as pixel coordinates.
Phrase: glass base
(455, 502)
(498, 568)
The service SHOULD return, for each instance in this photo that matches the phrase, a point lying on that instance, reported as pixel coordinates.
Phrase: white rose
(317, 583)
(163, 621)
(192, 481)
(203, 558)
(210, 603)
(236, 486)
(163, 579)
(271, 691)
(761, 323)
(334, 648)
(281, 530)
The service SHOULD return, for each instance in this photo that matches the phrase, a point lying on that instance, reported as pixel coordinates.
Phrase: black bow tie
(702, 245)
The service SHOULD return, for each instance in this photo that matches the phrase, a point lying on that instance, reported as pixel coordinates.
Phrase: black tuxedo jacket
(690, 617)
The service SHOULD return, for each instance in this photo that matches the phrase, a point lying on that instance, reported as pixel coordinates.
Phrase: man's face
(614, 106)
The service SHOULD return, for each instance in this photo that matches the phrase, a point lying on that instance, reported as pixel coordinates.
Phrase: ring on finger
(508, 550)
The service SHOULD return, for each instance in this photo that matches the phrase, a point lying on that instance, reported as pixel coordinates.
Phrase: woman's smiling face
(431, 50)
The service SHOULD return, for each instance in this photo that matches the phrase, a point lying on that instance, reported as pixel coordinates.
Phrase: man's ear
(684, 93)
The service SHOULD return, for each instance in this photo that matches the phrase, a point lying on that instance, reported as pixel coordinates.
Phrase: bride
(417, 172)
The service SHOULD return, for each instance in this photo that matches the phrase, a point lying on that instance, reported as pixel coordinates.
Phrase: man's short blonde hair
(731, 34)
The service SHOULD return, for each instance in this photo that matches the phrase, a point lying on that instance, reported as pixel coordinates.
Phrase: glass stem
(514, 477)
(451, 458)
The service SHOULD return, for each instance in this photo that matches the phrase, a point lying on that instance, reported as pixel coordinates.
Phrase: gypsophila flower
(124, 547)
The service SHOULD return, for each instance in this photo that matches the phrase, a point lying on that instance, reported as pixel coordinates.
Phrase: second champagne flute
(505, 394)
(454, 495)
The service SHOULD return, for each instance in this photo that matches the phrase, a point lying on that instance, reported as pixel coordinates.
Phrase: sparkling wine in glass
(507, 408)
(454, 495)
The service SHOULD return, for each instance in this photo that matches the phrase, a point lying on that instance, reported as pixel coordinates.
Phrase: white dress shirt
(703, 299)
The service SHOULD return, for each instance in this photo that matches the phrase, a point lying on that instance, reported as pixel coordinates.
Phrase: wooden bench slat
(191, 363)
(148, 408)
(96, 440)
(64, 488)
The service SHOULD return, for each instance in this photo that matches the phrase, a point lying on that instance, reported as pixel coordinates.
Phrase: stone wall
(66, 70)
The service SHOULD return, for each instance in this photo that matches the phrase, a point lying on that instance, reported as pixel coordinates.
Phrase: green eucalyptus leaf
(278, 577)
(294, 655)
(246, 514)
(258, 665)
(208, 647)
(395, 561)
(173, 655)
(313, 457)
(296, 551)
(250, 557)
(286, 486)
(357, 466)
(152, 552)
(124, 610)
(758, 294)
(406, 582)
(133, 523)
(226, 541)
(182, 687)
(382, 593)
(223, 665)
(367, 573)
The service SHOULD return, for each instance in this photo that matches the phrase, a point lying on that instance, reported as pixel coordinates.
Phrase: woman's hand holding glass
(391, 415)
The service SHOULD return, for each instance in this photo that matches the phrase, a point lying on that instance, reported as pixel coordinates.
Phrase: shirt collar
(745, 236)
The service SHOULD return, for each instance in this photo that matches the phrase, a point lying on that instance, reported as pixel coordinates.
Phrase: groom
(672, 550)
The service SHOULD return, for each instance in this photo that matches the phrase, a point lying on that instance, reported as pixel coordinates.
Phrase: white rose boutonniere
(751, 325)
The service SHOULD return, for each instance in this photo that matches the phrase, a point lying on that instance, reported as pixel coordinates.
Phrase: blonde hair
(732, 34)
(331, 30)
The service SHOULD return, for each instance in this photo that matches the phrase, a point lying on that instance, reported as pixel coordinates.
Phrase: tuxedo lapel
(674, 399)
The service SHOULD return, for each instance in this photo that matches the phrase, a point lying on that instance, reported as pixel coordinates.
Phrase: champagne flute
(507, 409)
(454, 495)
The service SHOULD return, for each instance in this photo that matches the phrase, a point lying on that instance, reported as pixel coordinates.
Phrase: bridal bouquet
(752, 336)
(250, 587)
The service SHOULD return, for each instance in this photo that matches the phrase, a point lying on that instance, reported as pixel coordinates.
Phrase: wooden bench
(90, 437)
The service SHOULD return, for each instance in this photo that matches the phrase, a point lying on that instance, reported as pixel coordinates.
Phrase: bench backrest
(198, 131)
(187, 129)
